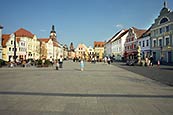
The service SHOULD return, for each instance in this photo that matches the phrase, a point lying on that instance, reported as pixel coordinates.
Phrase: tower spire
(53, 29)
(53, 33)
(165, 4)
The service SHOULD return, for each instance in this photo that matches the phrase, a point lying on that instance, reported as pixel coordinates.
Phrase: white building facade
(118, 45)
(144, 44)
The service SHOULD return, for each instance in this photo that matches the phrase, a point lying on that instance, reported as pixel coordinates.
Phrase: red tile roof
(138, 32)
(23, 33)
(147, 33)
(55, 44)
(100, 44)
(44, 39)
(5, 38)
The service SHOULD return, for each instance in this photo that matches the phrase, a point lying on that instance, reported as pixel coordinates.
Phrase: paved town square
(100, 89)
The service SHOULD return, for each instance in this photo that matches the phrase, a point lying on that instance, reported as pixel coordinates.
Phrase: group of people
(107, 60)
(59, 64)
(149, 61)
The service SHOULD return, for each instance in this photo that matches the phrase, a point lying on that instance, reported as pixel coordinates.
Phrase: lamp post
(15, 48)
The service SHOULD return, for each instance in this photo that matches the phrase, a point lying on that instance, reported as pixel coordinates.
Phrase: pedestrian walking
(61, 62)
(158, 63)
(109, 60)
(105, 59)
(57, 65)
(151, 60)
(82, 65)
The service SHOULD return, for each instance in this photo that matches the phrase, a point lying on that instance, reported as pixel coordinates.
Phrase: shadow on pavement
(167, 68)
(86, 95)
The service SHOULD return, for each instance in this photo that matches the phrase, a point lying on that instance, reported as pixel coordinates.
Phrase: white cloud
(119, 26)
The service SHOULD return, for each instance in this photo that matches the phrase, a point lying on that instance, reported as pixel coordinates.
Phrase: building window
(163, 20)
(11, 42)
(134, 46)
(160, 31)
(167, 28)
(155, 32)
(167, 41)
(160, 42)
(154, 43)
(140, 43)
(9, 49)
(143, 44)
(147, 43)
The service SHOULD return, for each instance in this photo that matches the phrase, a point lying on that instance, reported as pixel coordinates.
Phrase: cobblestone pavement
(100, 89)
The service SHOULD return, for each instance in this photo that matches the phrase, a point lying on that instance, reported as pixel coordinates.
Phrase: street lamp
(15, 48)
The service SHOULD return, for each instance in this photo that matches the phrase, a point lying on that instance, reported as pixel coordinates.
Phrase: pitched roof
(23, 33)
(111, 39)
(146, 33)
(44, 39)
(99, 43)
(5, 38)
(121, 35)
(138, 32)
(55, 44)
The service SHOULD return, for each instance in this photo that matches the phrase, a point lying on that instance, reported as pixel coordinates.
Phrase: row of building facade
(23, 45)
(157, 41)
(132, 43)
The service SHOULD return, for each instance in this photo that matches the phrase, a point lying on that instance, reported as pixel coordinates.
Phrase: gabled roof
(55, 44)
(99, 43)
(5, 38)
(111, 39)
(23, 33)
(146, 33)
(44, 39)
(138, 32)
(121, 35)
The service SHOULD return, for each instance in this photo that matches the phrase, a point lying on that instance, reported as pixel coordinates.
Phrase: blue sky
(78, 21)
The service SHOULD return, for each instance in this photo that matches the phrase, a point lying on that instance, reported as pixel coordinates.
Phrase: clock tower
(53, 34)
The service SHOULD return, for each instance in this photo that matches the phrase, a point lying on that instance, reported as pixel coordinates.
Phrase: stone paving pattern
(100, 89)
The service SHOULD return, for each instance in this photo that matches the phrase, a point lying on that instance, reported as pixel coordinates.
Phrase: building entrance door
(154, 56)
(169, 57)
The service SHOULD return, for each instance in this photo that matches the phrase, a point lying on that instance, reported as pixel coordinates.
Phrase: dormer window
(163, 20)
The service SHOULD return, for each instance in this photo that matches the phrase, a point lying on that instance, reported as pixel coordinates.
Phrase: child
(81, 65)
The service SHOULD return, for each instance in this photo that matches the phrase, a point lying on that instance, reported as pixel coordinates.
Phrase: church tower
(53, 34)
